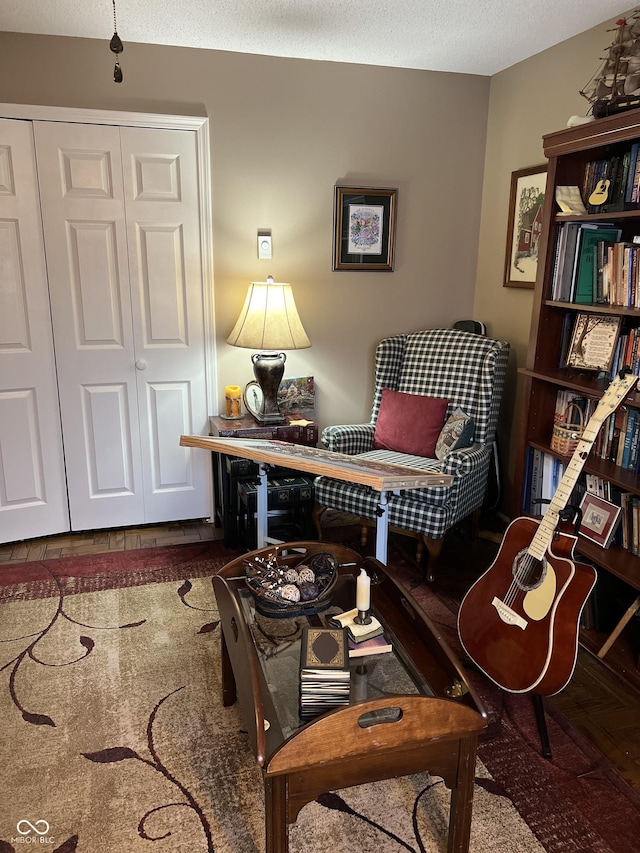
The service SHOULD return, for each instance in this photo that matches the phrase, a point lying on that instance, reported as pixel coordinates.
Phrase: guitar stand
(538, 708)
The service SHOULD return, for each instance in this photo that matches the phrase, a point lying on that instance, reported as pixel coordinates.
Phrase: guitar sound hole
(528, 572)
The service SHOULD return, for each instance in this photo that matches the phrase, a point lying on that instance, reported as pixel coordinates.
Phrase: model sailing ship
(615, 87)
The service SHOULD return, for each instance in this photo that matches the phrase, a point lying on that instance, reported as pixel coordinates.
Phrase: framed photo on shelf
(524, 226)
(593, 342)
(364, 222)
(599, 519)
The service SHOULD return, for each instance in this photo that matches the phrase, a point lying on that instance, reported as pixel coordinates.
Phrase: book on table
(373, 646)
(357, 633)
(325, 677)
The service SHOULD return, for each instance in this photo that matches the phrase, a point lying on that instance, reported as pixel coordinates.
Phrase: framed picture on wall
(364, 228)
(524, 226)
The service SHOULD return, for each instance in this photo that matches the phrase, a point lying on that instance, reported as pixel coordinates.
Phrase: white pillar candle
(363, 591)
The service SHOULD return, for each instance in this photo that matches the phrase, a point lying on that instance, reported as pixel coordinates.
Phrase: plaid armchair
(467, 369)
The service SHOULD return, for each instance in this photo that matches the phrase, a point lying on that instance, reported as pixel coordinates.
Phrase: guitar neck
(610, 401)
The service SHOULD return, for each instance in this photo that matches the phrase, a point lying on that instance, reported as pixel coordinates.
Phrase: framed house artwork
(524, 227)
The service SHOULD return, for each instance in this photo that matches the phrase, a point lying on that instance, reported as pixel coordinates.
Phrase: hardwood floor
(99, 541)
(595, 702)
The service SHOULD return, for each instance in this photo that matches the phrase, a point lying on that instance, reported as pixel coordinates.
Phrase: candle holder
(363, 618)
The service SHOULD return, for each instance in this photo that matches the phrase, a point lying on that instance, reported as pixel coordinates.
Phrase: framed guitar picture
(524, 226)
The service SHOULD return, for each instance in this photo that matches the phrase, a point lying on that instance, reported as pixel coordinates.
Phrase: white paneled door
(122, 237)
(33, 494)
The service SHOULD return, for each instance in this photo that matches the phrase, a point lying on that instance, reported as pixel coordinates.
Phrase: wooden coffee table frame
(334, 751)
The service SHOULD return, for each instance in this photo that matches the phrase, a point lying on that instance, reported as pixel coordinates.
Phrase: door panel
(169, 409)
(165, 261)
(80, 170)
(107, 435)
(33, 499)
(95, 292)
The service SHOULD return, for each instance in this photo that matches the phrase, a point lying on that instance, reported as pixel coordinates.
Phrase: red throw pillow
(409, 423)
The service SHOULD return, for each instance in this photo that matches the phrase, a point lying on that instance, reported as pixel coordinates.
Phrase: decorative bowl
(282, 591)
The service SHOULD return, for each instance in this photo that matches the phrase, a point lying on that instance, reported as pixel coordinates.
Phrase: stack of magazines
(324, 670)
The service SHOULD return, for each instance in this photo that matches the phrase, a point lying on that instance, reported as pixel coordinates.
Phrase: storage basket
(568, 432)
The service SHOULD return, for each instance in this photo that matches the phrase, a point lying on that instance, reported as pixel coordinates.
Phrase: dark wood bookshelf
(569, 152)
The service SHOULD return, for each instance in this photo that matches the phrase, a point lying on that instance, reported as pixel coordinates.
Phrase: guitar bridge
(509, 616)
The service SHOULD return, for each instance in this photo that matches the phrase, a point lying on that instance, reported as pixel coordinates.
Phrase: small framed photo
(599, 519)
(364, 222)
(593, 342)
(297, 396)
(524, 226)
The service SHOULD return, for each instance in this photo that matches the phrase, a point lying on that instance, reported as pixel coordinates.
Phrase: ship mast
(618, 49)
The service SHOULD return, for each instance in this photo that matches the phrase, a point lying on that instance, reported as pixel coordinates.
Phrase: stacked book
(324, 670)
(363, 639)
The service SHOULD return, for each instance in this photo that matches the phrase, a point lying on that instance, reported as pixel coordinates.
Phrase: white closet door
(122, 232)
(33, 494)
(165, 262)
(80, 174)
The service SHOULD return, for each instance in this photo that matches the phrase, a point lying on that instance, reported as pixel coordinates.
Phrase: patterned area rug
(113, 736)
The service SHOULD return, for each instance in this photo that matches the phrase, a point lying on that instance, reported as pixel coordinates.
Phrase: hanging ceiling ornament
(116, 47)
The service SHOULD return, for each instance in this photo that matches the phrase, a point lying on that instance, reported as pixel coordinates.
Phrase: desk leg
(262, 521)
(275, 814)
(382, 529)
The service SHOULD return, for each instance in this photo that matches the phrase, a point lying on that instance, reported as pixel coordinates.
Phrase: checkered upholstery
(467, 369)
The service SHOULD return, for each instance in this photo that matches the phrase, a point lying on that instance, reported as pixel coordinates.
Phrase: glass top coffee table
(410, 710)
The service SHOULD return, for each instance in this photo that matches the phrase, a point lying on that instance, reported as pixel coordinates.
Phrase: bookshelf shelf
(575, 155)
(611, 310)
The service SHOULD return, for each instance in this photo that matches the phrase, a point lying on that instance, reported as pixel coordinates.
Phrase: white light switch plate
(264, 246)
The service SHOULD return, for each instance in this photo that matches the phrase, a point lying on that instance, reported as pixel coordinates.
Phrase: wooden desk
(384, 477)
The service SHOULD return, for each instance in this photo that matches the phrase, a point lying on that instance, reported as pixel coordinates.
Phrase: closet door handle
(141, 364)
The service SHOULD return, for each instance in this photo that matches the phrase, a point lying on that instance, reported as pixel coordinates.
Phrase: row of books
(542, 478)
(618, 178)
(627, 352)
(618, 440)
(579, 261)
(619, 274)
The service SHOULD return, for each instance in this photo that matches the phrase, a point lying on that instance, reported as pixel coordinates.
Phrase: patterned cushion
(409, 423)
(457, 432)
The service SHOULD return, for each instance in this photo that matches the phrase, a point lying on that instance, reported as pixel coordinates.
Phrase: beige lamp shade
(269, 319)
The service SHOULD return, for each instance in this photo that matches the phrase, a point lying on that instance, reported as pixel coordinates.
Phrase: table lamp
(269, 322)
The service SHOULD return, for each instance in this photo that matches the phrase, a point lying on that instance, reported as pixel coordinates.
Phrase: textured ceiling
(479, 37)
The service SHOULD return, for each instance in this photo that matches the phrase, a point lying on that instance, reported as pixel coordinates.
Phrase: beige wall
(283, 133)
(528, 100)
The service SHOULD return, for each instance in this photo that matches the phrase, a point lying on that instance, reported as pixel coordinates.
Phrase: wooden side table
(228, 471)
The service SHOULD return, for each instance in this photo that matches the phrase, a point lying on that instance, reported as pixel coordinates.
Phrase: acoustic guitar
(519, 622)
